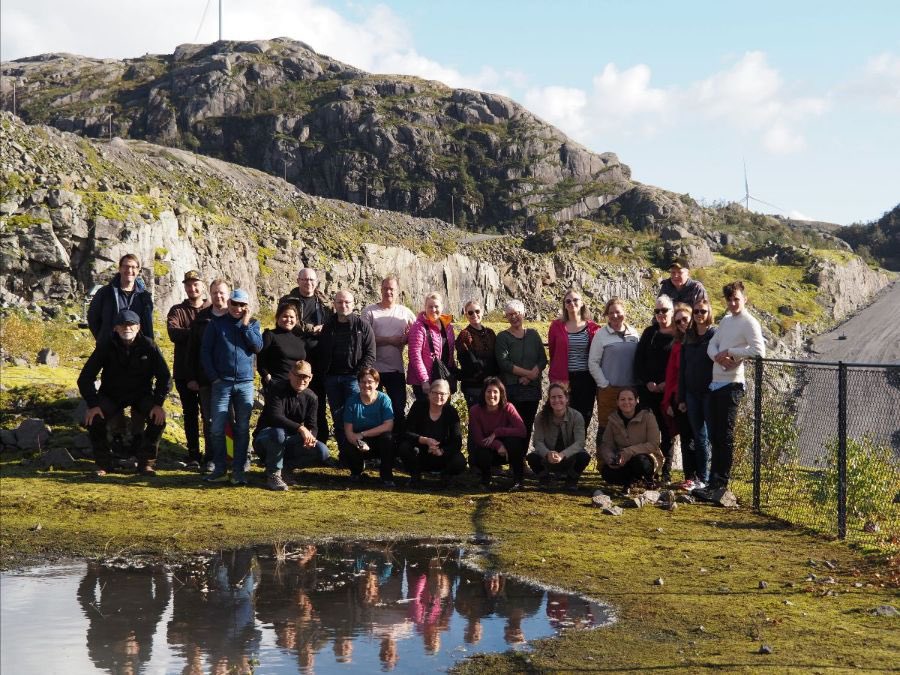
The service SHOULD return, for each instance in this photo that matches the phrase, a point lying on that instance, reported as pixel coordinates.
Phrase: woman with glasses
(674, 416)
(433, 437)
(569, 340)
(650, 361)
(475, 346)
(368, 426)
(521, 359)
(694, 377)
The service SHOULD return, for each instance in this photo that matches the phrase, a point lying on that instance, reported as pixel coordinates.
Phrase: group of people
(679, 376)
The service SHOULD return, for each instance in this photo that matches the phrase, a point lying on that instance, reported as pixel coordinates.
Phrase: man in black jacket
(346, 346)
(126, 290)
(679, 286)
(128, 365)
(286, 431)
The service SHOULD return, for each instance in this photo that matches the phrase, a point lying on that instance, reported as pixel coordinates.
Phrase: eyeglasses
(701, 311)
(683, 319)
(302, 377)
(572, 301)
(661, 310)
(473, 312)
(313, 280)
(237, 304)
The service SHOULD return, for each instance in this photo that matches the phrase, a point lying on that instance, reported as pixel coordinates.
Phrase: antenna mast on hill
(220, 20)
(747, 196)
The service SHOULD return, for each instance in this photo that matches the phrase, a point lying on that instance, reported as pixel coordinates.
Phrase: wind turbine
(748, 196)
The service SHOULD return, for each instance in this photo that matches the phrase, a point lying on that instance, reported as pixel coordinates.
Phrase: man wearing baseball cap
(229, 343)
(178, 325)
(133, 374)
(679, 286)
(286, 432)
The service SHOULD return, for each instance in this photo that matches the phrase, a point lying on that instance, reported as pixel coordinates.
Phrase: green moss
(160, 269)
(160, 253)
(263, 253)
(110, 205)
(22, 221)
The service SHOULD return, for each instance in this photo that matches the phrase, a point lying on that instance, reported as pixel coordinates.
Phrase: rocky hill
(391, 142)
(878, 241)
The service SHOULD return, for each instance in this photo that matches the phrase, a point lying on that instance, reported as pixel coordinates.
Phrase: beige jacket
(547, 431)
(640, 437)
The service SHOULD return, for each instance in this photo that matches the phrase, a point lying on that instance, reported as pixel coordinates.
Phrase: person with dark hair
(679, 286)
(133, 373)
(569, 341)
(229, 343)
(286, 432)
(738, 337)
(368, 421)
(178, 325)
(558, 440)
(674, 417)
(694, 378)
(433, 438)
(650, 361)
(629, 450)
(126, 290)
(475, 350)
(282, 347)
(346, 348)
(496, 435)
(522, 359)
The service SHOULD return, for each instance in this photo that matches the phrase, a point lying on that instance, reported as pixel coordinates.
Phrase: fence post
(757, 429)
(842, 451)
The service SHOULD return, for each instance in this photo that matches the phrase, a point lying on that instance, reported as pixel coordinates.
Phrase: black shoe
(544, 479)
(356, 478)
(415, 482)
(571, 486)
(516, 486)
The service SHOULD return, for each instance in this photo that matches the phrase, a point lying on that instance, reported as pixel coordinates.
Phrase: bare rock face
(847, 286)
(32, 434)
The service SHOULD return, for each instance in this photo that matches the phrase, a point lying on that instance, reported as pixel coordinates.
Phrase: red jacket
(558, 339)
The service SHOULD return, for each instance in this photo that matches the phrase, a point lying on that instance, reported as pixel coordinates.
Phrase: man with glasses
(314, 313)
(346, 346)
(126, 290)
(286, 432)
(390, 322)
(680, 287)
(229, 343)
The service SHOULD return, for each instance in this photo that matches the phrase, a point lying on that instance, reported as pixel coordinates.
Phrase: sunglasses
(660, 310)
(701, 311)
(572, 301)
(473, 312)
(682, 320)
(237, 304)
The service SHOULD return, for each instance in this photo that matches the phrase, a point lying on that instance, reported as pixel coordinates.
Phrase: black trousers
(724, 404)
(318, 387)
(381, 447)
(639, 467)
(190, 409)
(417, 459)
(583, 394)
(653, 401)
(145, 440)
(483, 458)
(572, 467)
(394, 385)
(527, 411)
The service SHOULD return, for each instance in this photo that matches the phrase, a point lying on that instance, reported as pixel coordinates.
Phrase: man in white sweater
(738, 337)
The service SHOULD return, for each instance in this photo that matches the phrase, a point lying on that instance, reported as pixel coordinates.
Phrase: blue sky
(807, 92)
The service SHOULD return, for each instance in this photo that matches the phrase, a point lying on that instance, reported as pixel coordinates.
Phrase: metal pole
(757, 430)
(220, 20)
(452, 211)
(842, 451)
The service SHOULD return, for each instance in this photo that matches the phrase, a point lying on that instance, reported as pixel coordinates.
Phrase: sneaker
(698, 485)
(687, 485)
(216, 477)
(193, 465)
(666, 477)
(147, 471)
(275, 483)
(516, 487)
(209, 467)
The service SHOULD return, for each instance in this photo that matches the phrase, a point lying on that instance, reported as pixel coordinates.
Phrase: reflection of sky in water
(338, 608)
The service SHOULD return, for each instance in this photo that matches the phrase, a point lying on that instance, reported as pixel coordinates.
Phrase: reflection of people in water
(566, 610)
(432, 605)
(213, 614)
(122, 608)
(343, 649)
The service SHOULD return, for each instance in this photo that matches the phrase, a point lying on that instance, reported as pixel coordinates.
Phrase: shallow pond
(336, 607)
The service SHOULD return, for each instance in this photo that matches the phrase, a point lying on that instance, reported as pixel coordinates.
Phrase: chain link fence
(818, 445)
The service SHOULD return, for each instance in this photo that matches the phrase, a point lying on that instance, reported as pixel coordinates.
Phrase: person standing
(430, 338)
(133, 373)
(178, 324)
(282, 347)
(679, 286)
(126, 290)
(390, 322)
(230, 342)
(315, 311)
(476, 347)
(738, 337)
(346, 347)
(569, 340)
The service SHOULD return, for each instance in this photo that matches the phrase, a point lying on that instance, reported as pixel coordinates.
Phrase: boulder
(612, 510)
(48, 357)
(8, 438)
(601, 500)
(32, 434)
(57, 458)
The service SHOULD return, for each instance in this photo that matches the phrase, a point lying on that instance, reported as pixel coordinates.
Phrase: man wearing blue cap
(128, 364)
(229, 343)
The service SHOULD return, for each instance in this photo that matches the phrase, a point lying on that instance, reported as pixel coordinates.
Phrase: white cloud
(797, 215)
(878, 82)
(565, 107)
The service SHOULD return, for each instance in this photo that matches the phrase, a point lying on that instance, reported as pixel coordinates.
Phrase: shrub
(873, 478)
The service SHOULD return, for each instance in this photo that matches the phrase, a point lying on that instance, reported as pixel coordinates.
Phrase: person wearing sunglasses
(475, 347)
(694, 377)
(674, 414)
(650, 360)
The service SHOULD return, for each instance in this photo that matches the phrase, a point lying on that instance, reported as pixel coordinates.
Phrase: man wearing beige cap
(679, 286)
(286, 431)
(178, 324)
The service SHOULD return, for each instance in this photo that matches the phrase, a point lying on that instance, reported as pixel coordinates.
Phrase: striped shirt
(579, 344)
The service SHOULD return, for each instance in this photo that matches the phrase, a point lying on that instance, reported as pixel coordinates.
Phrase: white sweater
(741, 335)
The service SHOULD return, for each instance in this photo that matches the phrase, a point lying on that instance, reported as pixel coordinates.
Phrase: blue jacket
(228, 347)
(110, 300)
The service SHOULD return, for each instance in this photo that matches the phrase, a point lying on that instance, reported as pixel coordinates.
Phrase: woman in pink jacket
(570, 342)
(422, 351)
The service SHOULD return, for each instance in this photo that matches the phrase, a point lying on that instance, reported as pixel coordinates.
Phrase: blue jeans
(339, 389)
(276, 446)
(238, 396)
(699, 413)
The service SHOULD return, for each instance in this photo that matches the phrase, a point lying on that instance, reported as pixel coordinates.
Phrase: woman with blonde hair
(430, 339)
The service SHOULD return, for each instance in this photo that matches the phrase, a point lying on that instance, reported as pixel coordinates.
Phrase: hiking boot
(544, 479)
(571, 485)
(238, 479)
(275, 483)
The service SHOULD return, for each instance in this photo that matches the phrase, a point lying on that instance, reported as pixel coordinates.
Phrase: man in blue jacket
(229, 343)
(126, 290)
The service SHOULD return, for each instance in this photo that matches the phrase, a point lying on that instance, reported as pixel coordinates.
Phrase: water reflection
(341, 606)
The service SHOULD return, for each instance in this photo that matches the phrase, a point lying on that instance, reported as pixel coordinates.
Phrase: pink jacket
(419, 369)
(558, 339)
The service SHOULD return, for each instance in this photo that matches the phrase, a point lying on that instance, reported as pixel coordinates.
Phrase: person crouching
(558, 440)
(629, 451)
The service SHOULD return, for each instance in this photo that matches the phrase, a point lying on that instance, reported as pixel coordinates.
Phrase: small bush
(873, 479)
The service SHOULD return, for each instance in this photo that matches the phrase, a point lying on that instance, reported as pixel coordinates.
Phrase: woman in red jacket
(673, 415)
(570, 342)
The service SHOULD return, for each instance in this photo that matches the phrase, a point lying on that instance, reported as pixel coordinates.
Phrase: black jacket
(652, 355)
(286, 409)
(695, 369)
(362, 344)
(110, 300)
(445, 429)
(128, 372)
(193, 367)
